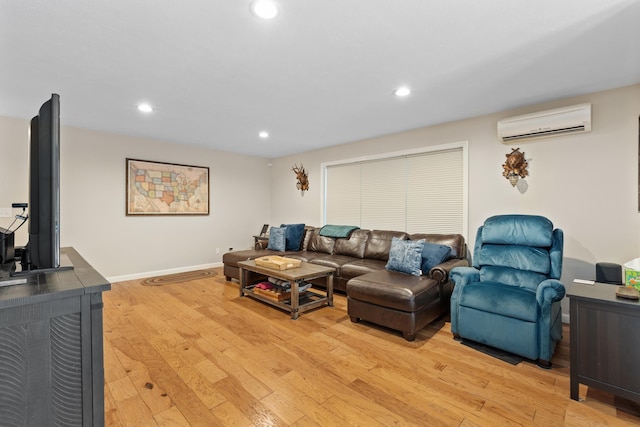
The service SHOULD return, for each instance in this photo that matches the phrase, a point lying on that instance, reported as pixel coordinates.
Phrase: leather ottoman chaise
(402, 301)
(396, 300)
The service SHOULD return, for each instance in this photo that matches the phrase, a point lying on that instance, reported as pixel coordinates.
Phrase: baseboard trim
(565, 318)
(146, 274)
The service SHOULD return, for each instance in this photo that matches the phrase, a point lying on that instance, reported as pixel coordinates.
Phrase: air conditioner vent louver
(559, 121)
(542, 133)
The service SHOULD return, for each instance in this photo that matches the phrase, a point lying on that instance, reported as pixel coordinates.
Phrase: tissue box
(632, 273)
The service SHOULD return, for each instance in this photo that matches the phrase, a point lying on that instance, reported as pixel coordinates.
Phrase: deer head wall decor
(515, 167)
(302, 177)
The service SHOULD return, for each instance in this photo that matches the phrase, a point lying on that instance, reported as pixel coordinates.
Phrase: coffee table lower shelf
(307, 300)
(298, 302)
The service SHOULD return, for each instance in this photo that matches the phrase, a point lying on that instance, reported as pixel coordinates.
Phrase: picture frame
(158, 188)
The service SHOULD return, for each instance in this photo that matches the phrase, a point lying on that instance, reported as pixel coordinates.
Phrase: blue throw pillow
(405, 256)
(277, 241)
(293, 236)
(434, 254)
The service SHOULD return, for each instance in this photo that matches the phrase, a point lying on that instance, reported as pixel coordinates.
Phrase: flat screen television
(43, 248)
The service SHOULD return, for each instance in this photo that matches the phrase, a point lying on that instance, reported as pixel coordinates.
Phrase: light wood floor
(195, 354)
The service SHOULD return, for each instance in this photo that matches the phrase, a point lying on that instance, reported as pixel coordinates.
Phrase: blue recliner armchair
(510, 298)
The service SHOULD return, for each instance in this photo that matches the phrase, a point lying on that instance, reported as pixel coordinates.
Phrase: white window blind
(435, 201)
(383, 194)
(421, 192)
(343, 194)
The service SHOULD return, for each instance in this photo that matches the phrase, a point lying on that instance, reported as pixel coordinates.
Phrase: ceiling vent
(559, 121)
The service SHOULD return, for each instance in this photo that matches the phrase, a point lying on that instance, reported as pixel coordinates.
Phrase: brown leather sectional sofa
(396, 300)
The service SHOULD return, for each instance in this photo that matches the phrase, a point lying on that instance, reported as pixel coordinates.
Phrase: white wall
(92, 202)
(587, 183)
(13, 169)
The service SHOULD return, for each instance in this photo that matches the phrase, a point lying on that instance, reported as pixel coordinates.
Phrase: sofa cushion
(353, 245)
(434, 254)
(277, 239)
(319, 243)
(333, 261)
(379, 243)
(511, 276)
(394, 290)
(360, 267)
(232, 258)
(293, 236)
(405, 256)
(454, 241)
(306, 256)
(498, 298)
(526, 230)
(308, 234)
(514, 256)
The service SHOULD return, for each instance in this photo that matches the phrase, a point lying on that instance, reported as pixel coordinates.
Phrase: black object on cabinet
(608, 272)
(51, 349)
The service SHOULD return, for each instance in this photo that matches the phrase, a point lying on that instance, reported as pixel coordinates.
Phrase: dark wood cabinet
(605, 341)
(51, 349)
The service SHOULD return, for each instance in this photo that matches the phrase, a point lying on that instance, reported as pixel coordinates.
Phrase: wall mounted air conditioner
(559, 121)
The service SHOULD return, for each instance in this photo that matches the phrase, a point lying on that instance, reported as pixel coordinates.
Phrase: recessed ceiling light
(265, 9)
(145, 108)
(264, 134)
(402, 91)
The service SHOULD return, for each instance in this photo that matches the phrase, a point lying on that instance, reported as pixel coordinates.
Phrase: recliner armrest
(460, 276)
(550, 290)
(440, 273)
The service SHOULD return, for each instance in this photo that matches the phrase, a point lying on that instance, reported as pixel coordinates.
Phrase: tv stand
(7, 277)
(51, 357)
(65, 264)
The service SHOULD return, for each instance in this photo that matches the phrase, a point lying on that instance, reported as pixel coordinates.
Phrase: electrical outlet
(5, 213)
(217, 250)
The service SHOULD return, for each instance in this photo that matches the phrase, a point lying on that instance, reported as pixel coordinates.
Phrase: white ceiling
(320, 74)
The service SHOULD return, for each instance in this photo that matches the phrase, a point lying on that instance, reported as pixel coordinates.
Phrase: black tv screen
(44, 187)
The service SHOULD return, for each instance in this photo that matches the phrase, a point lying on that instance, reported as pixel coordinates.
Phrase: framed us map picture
(158, 188)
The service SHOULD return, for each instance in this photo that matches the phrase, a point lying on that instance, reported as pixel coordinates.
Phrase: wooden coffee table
(299, 302)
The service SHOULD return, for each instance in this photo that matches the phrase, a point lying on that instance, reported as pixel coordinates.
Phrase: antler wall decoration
(302, 177)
